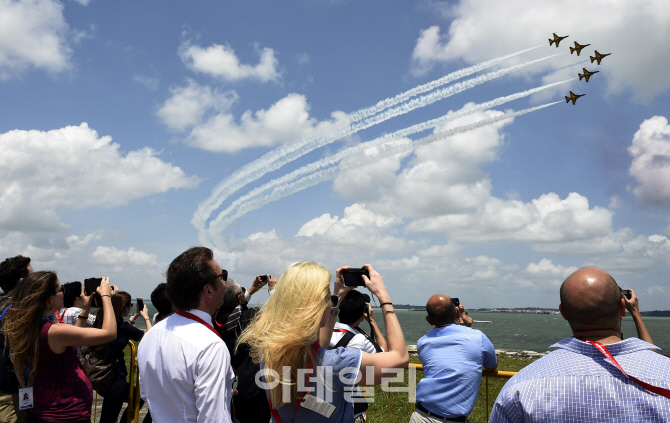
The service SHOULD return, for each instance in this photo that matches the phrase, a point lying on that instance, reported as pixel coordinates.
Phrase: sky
(429, 139)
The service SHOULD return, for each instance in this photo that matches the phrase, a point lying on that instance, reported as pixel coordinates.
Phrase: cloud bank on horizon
(481, 213)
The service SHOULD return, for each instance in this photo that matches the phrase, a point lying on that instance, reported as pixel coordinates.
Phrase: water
(527, 332)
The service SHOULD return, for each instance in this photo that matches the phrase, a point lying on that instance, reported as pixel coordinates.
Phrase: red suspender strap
(275, 413)
(651, 388)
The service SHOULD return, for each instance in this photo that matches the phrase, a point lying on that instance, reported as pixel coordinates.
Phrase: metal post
(131, 381)
(95, 407)
(487, 398)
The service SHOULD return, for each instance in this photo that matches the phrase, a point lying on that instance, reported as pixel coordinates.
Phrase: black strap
(344, 341)
(369, 338)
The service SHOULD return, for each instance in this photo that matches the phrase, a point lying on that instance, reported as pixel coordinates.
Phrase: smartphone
(264, 278)
(90, 287)
(140, 304)
(456, 302)
(354, 277)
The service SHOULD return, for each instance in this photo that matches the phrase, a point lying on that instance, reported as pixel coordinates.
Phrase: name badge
(25, 398)
(324, 408)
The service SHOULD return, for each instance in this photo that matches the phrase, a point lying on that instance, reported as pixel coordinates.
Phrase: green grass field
(378, 411)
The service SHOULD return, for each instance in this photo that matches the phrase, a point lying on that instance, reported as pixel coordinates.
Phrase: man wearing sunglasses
(184, 365)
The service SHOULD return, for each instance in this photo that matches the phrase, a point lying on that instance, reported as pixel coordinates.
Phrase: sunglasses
(223, 275)
(61, 289)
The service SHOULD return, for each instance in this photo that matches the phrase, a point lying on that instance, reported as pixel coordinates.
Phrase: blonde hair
(286, 326)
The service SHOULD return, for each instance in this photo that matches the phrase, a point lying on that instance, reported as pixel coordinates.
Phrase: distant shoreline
(524, 310)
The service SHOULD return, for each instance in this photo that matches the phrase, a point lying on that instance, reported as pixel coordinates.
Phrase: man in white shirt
(184, 366)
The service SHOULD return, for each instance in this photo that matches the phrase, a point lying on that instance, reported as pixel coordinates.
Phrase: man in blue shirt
(578, 382)
(452, 358)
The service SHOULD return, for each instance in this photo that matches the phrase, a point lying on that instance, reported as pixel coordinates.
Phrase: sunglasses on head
(223, 275)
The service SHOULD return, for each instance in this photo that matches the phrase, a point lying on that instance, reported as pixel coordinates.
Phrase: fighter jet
(598, 57)
(556, 39)
(578, 48)
(573, 97)
(586, 74)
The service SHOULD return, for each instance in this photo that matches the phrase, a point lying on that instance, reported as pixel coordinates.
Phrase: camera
(264, 278)
(626, 293)
(90, 287)
(456, 302)
(354, 277)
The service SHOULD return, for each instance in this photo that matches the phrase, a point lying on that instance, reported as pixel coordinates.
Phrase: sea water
(509, 331)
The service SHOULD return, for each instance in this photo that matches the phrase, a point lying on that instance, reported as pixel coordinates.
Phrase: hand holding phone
(90, 288)
(140, 305)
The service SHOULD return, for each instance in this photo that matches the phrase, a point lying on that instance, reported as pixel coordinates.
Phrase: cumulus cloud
(629, 68)
(44, 172)
(651, 161)
(545, 268)
(205, 114)
(33, 34)
(220, 61)
(131, 257)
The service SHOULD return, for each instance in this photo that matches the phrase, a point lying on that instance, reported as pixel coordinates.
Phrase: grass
(401, 410)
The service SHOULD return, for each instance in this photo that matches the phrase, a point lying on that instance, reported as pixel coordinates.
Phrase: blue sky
(121, 120)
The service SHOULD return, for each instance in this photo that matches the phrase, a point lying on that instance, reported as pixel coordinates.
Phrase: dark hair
(442, 314)
(594, 312)
(71, 291)
(12, 270)
(160, 300)
(187, 275)
(22, 320)
(352, 307)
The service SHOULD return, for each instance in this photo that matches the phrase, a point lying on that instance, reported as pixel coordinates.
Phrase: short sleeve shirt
(338, 368)
(452, 358)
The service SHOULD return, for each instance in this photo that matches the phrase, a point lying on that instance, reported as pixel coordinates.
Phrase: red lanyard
(60, 318)
(275, 413)
(210, 327)
(651, 388)
(340, 330)
(199, 320)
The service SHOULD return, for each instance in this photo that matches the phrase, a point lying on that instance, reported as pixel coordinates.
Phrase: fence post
(487, 398)
(131, 382)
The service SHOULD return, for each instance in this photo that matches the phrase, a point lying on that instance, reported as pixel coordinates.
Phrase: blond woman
(283, 338)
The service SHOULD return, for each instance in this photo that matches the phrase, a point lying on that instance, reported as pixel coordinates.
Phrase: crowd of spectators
(206, 356)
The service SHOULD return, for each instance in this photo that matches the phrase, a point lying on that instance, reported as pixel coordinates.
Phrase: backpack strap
(344, 341)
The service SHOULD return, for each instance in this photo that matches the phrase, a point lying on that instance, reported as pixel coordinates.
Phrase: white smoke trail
(360, 148)
(286, 153)
(389, 102)
(326, 174)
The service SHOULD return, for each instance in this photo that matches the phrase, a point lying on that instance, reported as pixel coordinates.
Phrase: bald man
(577, 382)
(452, 356)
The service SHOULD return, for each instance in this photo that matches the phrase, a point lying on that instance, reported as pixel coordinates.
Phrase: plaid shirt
(578, 384)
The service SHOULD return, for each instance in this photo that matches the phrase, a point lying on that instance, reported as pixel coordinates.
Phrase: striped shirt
(576, 383)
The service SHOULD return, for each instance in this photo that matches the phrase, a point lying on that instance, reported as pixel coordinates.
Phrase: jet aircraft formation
(586, 75)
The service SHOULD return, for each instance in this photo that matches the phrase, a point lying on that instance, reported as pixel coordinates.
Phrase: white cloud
(204, 113)
(221, 61)
(33, 34)
(651, 161)
(545, 268)
(480, 30)
(42, 173)
(131, 257)
(76, 242)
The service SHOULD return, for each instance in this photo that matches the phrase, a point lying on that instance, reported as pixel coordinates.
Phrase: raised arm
(379, 338)
(633, 307)
(63, 336)
(397, 356)
(326, 332)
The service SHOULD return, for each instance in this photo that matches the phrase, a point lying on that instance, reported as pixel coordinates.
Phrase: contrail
(360, 148)
(324, 175)
(286, 153)
(389, 102)
(569, 66)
